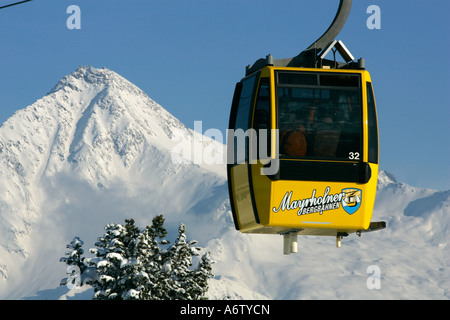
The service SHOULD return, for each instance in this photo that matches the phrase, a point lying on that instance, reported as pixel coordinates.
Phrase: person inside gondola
(327, 134)
(293, 136)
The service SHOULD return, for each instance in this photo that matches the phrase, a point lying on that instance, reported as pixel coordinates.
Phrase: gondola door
(239, 184)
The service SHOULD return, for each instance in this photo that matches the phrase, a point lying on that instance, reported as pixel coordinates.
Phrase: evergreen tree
(134, 276)
(200, 277)
(109, 257)
(76, 262)
(155, 289)
(181, 281)
(75, 255)
(132, 264)
(119, 264)
(177, 261)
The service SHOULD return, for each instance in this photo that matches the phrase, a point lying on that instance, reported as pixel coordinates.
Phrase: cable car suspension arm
(310, 56)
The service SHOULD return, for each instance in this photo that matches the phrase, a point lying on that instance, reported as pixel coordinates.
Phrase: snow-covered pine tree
(201, 274)
(120, 272)
(180, 280)
(76, 262)
(135, 277)
(131, 264)
(75, 255)
(107, 262)
(153, 261)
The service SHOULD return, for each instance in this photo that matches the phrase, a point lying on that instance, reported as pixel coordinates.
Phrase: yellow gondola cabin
(326, 188)
(303, 144)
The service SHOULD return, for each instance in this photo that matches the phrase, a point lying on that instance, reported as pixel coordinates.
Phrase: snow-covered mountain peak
(385, 178)
(97, 150)
(97, 122)
(88, 76)
(96, 117)
(94, 132)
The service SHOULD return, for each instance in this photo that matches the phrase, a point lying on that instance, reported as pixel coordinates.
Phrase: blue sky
(188, 54)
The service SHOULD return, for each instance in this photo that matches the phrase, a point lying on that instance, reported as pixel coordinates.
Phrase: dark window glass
(242, 120)
(373, 125)
(337, 80)
(245, 102)
(262, 119)
(296, 78)
(321, 122)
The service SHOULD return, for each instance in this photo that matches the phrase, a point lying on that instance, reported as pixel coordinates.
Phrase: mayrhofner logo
(311, 205)
(351, 202)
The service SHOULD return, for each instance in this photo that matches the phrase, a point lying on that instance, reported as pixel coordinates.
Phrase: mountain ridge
(94, 131)
(97, 150)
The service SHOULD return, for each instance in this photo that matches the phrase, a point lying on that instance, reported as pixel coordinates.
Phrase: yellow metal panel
(262, 191)
(365, 122)
(242, 197)
(327, 205)
(320, 208)
(371, 193)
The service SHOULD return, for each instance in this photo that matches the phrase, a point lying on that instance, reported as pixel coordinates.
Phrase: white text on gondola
(311, 205)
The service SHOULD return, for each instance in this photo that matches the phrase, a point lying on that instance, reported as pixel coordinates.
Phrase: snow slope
(97, 150)
(412, 254)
